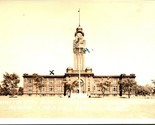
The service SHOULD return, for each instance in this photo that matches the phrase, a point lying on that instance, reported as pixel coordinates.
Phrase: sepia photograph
(77, 61)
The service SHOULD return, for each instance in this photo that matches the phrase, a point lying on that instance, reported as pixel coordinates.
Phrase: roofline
(45, 76)
(114, 76)
(89, 74)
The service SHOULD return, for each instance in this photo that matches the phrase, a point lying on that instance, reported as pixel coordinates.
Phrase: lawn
(56, 107)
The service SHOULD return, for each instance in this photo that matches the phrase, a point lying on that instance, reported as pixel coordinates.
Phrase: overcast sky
(37, 36)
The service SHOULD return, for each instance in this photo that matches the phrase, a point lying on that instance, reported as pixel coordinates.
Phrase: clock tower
(79, 45)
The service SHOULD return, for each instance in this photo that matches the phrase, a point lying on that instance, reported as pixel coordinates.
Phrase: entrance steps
(79, 95)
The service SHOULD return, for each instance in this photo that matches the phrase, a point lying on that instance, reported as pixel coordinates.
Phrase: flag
(87, 50)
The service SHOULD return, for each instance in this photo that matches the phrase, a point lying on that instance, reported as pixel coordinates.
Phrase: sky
(37, 36)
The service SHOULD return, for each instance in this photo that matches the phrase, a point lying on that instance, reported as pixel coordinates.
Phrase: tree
(103, 84)
(127, 85)
(139, 90)
(10, 83)
(120, 83)
(6, 91)
(134, 89)
(75, 84)
(69, 86)
(148, 89)
(65, 81)
(108, 82)
(38, 82)
(20, 91)
(0, 90)
(153, 90)
(143, 90)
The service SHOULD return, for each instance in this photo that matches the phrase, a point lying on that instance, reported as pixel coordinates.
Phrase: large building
(54, 85)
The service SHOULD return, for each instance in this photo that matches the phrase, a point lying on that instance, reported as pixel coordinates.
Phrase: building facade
(88, 81)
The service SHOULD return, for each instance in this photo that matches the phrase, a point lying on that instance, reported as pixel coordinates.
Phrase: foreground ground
(56, 107)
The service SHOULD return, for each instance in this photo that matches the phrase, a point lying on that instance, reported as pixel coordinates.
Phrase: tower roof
(79, 30)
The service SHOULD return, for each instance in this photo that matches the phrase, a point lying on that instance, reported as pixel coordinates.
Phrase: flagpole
(79, 57)
(79, 16)
(79, 73)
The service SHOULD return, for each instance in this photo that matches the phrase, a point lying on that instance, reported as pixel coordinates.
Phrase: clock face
(79, 35)
(79, 42)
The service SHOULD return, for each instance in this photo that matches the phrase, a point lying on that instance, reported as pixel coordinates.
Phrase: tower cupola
(79, 30)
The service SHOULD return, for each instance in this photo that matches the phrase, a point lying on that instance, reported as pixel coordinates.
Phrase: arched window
(114, 89)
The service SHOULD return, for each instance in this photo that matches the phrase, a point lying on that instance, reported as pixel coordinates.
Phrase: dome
(69, 69)
(88, 69)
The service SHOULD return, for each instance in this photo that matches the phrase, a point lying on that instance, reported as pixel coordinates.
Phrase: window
(51, 88)
(98, 88)
(51, 81)
(62, 88)
(88, 89)
(59, 88)
(44, 80)
(59, 81)
(94, 87)
(29, 88)
(29, 80)
(114, 89)
(44, 89)
(24, 79)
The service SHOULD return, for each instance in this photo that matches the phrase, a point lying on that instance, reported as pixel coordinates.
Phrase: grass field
(56, 107)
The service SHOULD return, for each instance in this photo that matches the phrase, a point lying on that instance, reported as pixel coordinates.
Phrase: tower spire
(79, 16)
